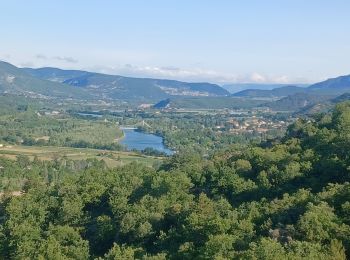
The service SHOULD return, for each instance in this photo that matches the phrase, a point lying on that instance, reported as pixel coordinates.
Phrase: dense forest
(282, 199)
(27, 126)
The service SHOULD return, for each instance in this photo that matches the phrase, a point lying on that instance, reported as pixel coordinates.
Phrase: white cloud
(41, 56)
(258, 78)
(65, 59)
(168, 72)
(192, 74)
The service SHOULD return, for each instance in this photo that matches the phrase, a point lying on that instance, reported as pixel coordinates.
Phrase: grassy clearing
(112, 158)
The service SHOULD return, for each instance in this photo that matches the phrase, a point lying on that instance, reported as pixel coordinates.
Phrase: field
(112, 158)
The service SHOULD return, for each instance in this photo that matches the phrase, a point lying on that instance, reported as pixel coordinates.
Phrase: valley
(175, 130)
(251, 176)
(173, 173)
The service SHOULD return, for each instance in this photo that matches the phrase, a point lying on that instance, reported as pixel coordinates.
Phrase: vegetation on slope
(126, 88)
(16, 81)
(283, 200)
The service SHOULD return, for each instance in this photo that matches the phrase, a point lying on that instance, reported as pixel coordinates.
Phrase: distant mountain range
(334, 86)
(237, 87)
(77, 84)
(276, 92)
(53, 83)
(295, 98)
(125, 88)
(339, 83)
(306, 100)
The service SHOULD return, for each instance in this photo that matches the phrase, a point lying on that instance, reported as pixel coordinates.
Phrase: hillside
(276, 92)
(296, 102)
(333, 86)
(16, 81)
(338, 83)
(54, 74)
(237, 87)
(341, 98)
(127, 88)
(315, 98)
(324, 106)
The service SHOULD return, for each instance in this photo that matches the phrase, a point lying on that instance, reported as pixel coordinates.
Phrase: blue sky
(270, 41)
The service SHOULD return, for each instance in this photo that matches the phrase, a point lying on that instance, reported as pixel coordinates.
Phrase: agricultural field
(49, 153)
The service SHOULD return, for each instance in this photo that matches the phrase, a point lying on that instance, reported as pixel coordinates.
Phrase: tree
(123, 252)
(63, 242)
(319, 223)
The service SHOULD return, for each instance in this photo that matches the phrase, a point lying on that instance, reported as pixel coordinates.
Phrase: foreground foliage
(284, 200)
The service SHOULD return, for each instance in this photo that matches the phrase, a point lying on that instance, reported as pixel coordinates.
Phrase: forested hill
(16, 81)
(276, 92)
(342, 82)
(57, 83)
(127, 88)
(332, 86)
(282, 199)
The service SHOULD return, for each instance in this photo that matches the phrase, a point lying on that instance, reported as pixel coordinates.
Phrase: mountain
(236, 87)
(14, 80)
(53, 82)
(162, 104)
(296, 102)
(77, 83)
(338, 83)
(126, 88)
(54, 74)
(333, 86)
(324, 106)
(276, 92)
(341, 98)
(317, 97)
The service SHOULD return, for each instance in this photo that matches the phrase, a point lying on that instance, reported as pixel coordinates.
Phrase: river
(139, 141)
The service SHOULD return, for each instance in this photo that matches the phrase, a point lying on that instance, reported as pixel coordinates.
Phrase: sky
(222, 41)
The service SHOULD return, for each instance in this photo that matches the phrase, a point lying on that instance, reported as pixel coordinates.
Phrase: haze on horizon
(224, 41)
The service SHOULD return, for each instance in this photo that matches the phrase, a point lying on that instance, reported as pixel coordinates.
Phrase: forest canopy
(286, 199)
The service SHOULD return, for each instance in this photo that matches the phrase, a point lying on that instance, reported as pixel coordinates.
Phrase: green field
(112, 158)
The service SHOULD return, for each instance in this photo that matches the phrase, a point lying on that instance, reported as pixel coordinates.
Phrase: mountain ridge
(276, 92)
(331, 86)
(16, 81)
(238, 87)
(121, 87)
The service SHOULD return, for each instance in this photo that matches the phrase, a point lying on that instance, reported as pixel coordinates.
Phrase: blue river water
(139, 141)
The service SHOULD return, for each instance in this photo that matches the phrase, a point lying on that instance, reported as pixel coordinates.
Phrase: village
(254, 124)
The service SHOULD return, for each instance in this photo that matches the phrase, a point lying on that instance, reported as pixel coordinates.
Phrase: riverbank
(134, 139)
